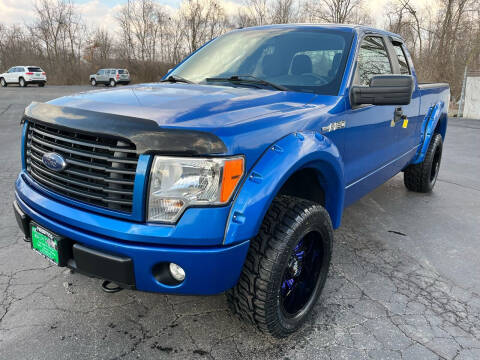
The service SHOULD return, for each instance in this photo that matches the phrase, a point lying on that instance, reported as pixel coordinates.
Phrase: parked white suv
(110, 77)
(24, 75)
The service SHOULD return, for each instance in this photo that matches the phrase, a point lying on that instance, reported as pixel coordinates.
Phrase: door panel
(369, 134)
(11, 75)
(370, 151)
(8, 75)
(407, 132)
(17, 74)
(101, 76)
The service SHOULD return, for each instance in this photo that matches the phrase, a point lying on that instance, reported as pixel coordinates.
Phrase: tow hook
(110, 289)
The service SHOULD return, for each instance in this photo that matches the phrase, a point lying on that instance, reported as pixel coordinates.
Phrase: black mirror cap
(384, 90)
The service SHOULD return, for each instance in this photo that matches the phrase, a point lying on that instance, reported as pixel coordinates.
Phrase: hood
(196, 119)
(202, 107)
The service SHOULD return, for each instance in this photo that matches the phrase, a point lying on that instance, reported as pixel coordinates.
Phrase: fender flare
(294, 152)
(435, 114)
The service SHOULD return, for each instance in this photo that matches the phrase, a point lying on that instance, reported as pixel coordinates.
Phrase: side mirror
(384, 90)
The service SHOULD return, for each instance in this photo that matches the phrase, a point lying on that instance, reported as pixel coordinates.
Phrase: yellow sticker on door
(405, 123)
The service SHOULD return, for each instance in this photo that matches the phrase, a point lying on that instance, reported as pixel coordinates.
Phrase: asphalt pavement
(404, 284)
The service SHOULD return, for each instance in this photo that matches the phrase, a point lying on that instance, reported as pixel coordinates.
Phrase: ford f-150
(231, 173)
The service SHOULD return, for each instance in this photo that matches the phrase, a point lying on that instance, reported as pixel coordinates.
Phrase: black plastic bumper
(23, 220)
(118, 269)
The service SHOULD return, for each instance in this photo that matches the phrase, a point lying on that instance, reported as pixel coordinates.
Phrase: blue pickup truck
(232, 172)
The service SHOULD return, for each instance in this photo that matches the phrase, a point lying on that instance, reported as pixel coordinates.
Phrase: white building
(471, 108)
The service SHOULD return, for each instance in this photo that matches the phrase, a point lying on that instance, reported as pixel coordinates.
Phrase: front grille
(100, 170)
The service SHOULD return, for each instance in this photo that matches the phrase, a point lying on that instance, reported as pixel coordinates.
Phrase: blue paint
(436, 115)
(186, 232)
(205, 267)
(254, 198)
(278, 133)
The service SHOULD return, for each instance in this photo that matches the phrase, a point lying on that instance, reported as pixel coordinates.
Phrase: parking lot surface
(404, 284)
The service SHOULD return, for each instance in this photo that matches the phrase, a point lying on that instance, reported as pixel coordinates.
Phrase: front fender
(282, 159)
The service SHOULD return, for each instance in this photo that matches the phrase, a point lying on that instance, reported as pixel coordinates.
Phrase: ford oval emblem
(54, 161)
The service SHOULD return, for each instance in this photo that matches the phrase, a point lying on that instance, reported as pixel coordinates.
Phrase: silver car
(110, 77)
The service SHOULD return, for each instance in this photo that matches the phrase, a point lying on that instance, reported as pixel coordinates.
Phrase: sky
(101, 13)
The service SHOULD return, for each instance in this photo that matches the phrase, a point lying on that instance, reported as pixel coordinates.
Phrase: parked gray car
(110, 77)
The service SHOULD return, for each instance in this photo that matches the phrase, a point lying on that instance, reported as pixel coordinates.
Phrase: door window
(100, 72)
(372, 60)
(402, 60)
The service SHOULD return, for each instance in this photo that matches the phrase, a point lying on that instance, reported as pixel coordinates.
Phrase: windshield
(305, 60)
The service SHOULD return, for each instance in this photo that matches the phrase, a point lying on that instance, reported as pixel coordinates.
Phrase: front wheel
(22, 82)
(286, 267)
(423, 176)
(3, 82)
(93, 82)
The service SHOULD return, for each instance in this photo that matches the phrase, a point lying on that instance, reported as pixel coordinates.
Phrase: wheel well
(304, 184)
(441, 127)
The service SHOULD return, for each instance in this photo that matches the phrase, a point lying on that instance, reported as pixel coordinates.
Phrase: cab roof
(359, 29)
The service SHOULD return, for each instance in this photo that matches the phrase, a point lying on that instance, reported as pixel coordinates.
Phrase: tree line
(443, 38)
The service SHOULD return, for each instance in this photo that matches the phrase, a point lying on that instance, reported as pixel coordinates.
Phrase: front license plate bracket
(53, 247)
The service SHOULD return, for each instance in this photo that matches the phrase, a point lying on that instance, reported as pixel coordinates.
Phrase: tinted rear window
(123, 71)
(35, 69)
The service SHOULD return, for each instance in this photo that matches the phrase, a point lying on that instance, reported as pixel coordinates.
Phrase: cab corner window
(372, 60)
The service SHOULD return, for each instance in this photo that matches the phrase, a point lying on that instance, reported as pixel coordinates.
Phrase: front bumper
(208, 269)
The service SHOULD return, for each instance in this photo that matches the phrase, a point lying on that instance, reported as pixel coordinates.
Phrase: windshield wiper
(175, 79)
(248, 79)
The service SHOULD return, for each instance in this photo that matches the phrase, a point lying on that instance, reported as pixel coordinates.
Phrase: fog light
(177, 272)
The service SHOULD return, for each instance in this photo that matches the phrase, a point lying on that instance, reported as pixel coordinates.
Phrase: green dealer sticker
(45, 243)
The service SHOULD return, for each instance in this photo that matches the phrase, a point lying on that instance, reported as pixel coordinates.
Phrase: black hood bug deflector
(145, 134)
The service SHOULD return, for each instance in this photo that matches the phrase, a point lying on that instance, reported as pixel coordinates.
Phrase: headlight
(178, 182)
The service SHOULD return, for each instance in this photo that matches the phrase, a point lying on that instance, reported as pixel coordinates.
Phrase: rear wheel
(93, 82)
(112, 83)
(22, 82)
(286, 267)
(3, 82)
(41, 84)
(422, 177)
